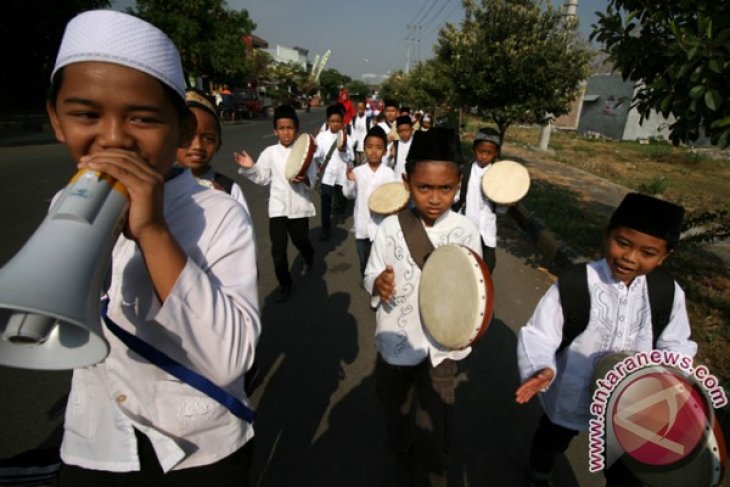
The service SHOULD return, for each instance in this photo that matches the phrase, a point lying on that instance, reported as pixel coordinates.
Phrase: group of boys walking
(184, 274)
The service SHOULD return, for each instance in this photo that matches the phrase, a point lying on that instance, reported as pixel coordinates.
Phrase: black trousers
(418, 402)
(489, 254)
(232, 471)
(551, 440)
(298, 230)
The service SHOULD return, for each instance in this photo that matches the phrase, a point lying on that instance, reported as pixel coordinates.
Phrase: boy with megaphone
(177, 292)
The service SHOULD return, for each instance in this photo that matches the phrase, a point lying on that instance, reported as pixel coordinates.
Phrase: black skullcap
(649, 215)
(405, 109)
(403, 119)
(286, 111)
(438, 144)
(487, 134)
(390, 103)
(378, 131)
(334, 109)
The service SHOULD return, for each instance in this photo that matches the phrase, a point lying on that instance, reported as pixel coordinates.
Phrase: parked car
(247, 103)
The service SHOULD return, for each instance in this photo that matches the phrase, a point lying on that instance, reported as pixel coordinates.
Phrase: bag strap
(575, 299)
(327, 158)
(419, 245)
(225, 182)
(660, 286)
(176, 369)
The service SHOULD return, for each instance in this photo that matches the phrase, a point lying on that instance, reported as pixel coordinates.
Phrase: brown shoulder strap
(419, 245)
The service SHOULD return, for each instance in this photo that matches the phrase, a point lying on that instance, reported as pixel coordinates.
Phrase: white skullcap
(118, 38)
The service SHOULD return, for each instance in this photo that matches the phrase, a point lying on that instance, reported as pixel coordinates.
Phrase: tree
(514, 61)
(29, 40)
(429, 86)
(358, 90)
(330, 83)
(210, 37)
(679, 52)
(288, 80)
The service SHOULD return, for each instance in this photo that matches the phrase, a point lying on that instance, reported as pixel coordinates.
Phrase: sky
(365, 36)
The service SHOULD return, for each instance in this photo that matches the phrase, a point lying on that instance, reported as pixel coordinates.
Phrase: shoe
(283, 293)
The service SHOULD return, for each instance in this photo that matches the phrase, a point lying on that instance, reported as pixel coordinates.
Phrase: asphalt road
(318, 422)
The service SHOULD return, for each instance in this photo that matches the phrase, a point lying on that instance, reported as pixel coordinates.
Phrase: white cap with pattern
(118, 38)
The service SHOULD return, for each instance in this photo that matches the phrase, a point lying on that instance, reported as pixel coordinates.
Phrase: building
(296, 55)
(604, 107)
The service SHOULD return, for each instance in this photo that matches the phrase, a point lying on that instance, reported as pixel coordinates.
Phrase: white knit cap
(118, 38)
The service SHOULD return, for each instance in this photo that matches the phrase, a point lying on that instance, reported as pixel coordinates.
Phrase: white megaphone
(50, 290)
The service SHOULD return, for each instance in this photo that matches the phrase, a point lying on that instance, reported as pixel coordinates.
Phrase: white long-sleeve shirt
(209, 323)
(399, 167)
(366, 181)
(285, 198)
(620, 320)
(399, 333)
(359, 131)
(336, 170)
(480, 209)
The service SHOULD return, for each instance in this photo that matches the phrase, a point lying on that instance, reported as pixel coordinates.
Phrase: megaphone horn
(49, 291)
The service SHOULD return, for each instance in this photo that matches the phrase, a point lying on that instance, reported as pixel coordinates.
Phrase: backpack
(224, 181)
(575, 300)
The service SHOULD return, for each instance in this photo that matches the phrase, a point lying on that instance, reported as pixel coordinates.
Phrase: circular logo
(659, 417)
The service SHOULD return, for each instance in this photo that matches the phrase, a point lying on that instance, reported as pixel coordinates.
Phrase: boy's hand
(301, 179)
(243, 159)
(146, 189)
(384, 285)
(537, 383)
(350, 173)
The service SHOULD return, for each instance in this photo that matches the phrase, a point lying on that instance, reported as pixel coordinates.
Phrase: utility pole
(571, 9)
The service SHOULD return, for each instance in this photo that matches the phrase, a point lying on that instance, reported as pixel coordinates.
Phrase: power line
(437, 14)
(438, 26)
(418, 13)
(425, 13)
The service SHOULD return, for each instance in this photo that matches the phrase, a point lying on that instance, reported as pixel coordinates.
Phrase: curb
(550, 245)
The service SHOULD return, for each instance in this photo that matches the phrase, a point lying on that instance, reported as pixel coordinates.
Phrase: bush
(655, 186)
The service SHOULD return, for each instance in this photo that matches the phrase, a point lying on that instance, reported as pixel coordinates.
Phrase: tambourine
(455, 296)
(300, 157)
(506, 182)
(389, 198)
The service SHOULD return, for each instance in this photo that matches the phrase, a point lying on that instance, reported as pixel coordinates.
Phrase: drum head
(341, 139)
(389, 198)
(300, 154)
(506, 182)
(455, 296)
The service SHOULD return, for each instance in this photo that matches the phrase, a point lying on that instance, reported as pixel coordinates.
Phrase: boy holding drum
(471, 200)
(334, 160)
(557, 360)
(412, 371)
(289, 202)
(361, 182)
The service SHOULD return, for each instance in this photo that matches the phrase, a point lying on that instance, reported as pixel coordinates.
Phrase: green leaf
(723, 122)
(697, 91)
(715, 65)
(692, 52)
(713, 99)
(722, 37)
